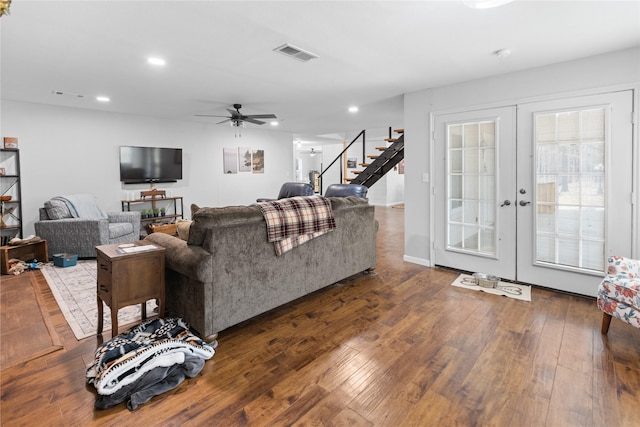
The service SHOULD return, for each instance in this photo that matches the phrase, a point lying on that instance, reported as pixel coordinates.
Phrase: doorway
(539, 192)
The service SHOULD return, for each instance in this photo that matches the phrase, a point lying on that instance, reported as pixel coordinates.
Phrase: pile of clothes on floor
(146, 360)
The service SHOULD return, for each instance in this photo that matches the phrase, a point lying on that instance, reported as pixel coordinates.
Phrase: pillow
(57, 209)
(183, 226)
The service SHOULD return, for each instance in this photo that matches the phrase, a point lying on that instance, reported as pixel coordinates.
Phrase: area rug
(74, 289)
(511, 290)
(26, 331)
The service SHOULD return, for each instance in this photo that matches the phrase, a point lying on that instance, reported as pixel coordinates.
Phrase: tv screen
(150, 164)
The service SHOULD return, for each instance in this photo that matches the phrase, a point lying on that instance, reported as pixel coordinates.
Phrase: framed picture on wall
(352, 162)
(258, 161)
(230, 159)
(244, 159)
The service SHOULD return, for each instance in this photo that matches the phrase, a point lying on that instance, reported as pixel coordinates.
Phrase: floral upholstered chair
(619, 292)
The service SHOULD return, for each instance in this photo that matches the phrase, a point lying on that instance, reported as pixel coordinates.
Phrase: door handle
(523, 203)
(506, 203)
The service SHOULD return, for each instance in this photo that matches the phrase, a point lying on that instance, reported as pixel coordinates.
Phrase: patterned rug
(74, 289)
(511, 290)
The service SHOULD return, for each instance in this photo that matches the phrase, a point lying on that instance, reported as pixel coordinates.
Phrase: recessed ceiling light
(156, 61)
(353, 109)
(274, 123)
(103, 99)
(502, 53)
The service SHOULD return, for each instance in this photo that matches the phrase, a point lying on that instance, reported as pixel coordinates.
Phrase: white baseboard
(415, 260)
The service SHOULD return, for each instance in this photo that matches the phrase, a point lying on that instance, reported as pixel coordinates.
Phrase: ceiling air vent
(295, 52)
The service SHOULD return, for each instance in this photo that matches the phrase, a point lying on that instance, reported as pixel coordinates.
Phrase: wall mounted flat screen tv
(150, 164)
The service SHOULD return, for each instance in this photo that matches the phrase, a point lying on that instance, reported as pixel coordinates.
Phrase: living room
(68, 147)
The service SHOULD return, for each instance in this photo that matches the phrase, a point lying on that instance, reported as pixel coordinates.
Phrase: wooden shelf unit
(154, 203)
(10, 185)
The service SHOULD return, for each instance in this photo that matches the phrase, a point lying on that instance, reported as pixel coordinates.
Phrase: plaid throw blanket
(296, 220)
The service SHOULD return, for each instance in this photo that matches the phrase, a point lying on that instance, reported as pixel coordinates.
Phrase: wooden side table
(25, 252)
(129, 275)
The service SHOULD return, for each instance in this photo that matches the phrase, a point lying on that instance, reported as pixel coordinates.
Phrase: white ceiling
(221, 52)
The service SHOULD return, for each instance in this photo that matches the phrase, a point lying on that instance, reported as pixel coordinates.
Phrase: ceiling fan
(238, 119)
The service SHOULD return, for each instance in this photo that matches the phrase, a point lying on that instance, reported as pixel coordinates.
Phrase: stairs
(382, 163)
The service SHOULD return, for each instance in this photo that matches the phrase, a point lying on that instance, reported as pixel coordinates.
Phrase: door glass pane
(471, 194)
(570, 190)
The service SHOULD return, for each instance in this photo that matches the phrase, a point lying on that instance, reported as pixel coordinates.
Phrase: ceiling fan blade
(250, 120)
(262, 116)
(234, 113)
(207, 115)
(224, 121)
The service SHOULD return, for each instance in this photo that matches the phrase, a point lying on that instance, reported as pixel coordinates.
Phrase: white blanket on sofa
(82, 206)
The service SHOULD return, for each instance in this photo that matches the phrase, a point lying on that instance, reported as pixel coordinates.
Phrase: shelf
(160, 218)
(149, 200)
(10, 227)
(11, 210)
(176, 201)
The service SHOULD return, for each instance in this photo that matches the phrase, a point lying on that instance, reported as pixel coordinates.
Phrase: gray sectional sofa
(227, 271)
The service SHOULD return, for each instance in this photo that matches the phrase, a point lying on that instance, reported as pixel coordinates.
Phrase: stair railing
(363, 134)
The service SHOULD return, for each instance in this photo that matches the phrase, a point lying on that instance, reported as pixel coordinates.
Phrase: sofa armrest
(132, 217)
(622, 266)
(189, 260)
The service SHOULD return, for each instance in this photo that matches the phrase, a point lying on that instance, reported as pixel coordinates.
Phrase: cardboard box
(65, 260)
(10, 142)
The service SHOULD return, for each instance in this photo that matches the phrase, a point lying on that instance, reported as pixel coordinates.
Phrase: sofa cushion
(57, 209)
(119, 229)
(204, 219)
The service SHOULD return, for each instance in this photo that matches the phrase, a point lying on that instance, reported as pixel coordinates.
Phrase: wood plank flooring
(401, 348)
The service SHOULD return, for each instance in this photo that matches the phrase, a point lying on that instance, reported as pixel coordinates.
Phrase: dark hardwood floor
(401, 348)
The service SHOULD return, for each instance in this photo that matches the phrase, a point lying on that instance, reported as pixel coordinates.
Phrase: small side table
(25, 252)
(128, 276)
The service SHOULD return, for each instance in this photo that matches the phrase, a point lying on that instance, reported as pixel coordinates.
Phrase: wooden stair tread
(398, 130)
(373, 157)
(364, 165)
(391, 139)
(381, 148)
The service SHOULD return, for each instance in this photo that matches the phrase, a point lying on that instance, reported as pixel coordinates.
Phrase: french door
(539, 193)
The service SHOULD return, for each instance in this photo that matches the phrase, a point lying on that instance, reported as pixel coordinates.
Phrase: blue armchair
(345, 190)
(292, 189)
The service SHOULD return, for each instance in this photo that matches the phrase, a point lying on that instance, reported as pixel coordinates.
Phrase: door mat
(511, 290)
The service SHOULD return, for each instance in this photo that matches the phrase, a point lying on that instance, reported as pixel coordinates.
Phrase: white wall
(616, 69)
(66, 151)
